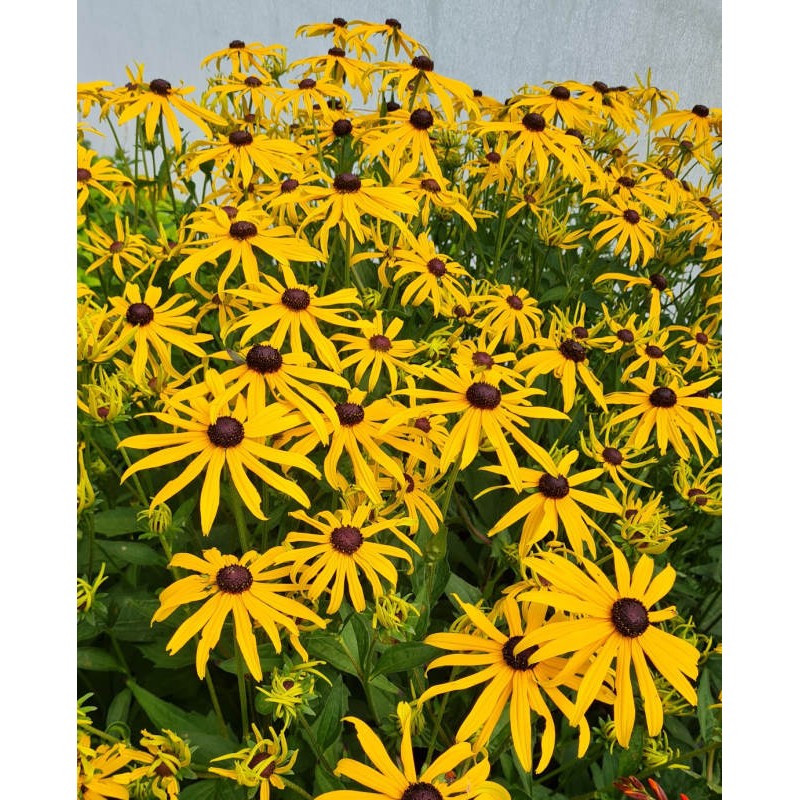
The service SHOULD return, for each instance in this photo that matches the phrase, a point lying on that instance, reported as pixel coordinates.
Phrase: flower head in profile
(443, 779)
(250, 588)
(167, 758)
(243, 56)
(261, 764)
(100, 775)
(341, 551)
(218, 438)
(614, 624)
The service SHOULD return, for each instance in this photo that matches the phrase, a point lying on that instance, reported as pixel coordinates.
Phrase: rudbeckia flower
(554, 499)
(561, 104)
(615, 624)
(413, 494)
(392, 32)
(91, 171)
(342, 548)
(125, 249)
(626, 223)
(506, 312)
(292, 308)
(244, 56)
(615, 458)
(336, 67)
(250, 588)
(216, 437)
(443, 779)
(511, 680)
(99, 776)
(666, 408)
(309, 96)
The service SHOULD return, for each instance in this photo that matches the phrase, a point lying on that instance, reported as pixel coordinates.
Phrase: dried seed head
(234, 579)
(226, 432)
(346, 539)
(629, 617)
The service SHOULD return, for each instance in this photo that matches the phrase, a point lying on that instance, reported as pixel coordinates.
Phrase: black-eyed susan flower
(124, 249)
(215, 436)
(700, 487)
(563, 105)
(377, 349)
(94, 173)
(484, 411)
(443, 779)
(243, 56)
(309, 97)
(263, 369)
(252, 92)
(609, 102)
(158, 101)
(349, 197)
(651, 354)
(392, 32)
(616, 458)
(292, 308)
(250, 588)
(239, 231)
(342, 553)
(701, 343)
(413, 495)
(512, 682)
(508, 313)
(433, 195)
(99, 770)
(667, 410)
(553, 503)
(336, 28)
(657, 284)
(480, 357)
(617, 625)
(167, 759)
(644, 522)
(260, 765)
(700, 125)
(149, 328)
(626, 223)
(337, 67)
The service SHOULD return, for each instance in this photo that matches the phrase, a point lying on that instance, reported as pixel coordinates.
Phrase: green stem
(312, 740)
(235, 503)
(212, 693)
(100, 734)
(139, 490)
(438, 721)
(448, 492)
(242, 691)
(170, 188)
(297, 789)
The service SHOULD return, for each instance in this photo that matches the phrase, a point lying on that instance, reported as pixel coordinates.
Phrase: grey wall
(495, 46)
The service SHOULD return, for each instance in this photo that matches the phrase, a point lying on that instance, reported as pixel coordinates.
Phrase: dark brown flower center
(514, 301)
(663, 397)
(264, 359)
(653, 351)
(231, 211)
(163, 770)
(422, 62)
(252, 81)
(685, 144)
(393, 23)
(392, 105)
(553, 487)
(627, 182)
(84, 175)
(572, 350)
(658, 281)
(701, 338)
(483, 395)
(347, 182)
(236, 44)
(260, 758)
(436, 267)
(296, 299)
(380, 342)
(409, 482)
(116, 247)
(629, 215)
(421, 791)
(612, 456)
(234, 579)
(459, 311)
(346, 539)
(579, 332)
(307, 83)
(226, 432)
(601, 87)
(560, 92)
(289, 185)
(350, 413)
(240, 138)
(482, 359)
(421, 119)
(629, 617)
(668, 173)
(700, 110)
(477, 93)
(342, 127)
(624, 335)
(336, 52)
(243, 230)
(519, 661)
(430, 185)
(160, 87)
(534, 122)
(339, 22)
(423, 424)
(139, 314)
(493, 158)
(575, 132)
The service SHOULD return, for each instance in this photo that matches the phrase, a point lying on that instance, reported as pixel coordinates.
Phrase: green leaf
(117, 521)
(328, 647)
(132, 616)
(214, 789)
(466, 591)
(356, 635)
(705, 715)
(122, 553)
(119, 708)
(201, 731)
(328, 725)
(97, 660)
(405, 656)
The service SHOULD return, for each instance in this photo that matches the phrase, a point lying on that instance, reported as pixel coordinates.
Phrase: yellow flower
(388, 782)
(340, 550)
(243, 56)
(86, 494)
(124, 249)
(216, 437)
(614, 624)
(625, 222)
(701, 488)
(249, 588)
(91, 171)
(87, 591)
(167, 759)
(506, 312)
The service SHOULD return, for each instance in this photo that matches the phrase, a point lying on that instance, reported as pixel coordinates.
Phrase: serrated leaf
(405, 656)
(97, 660)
